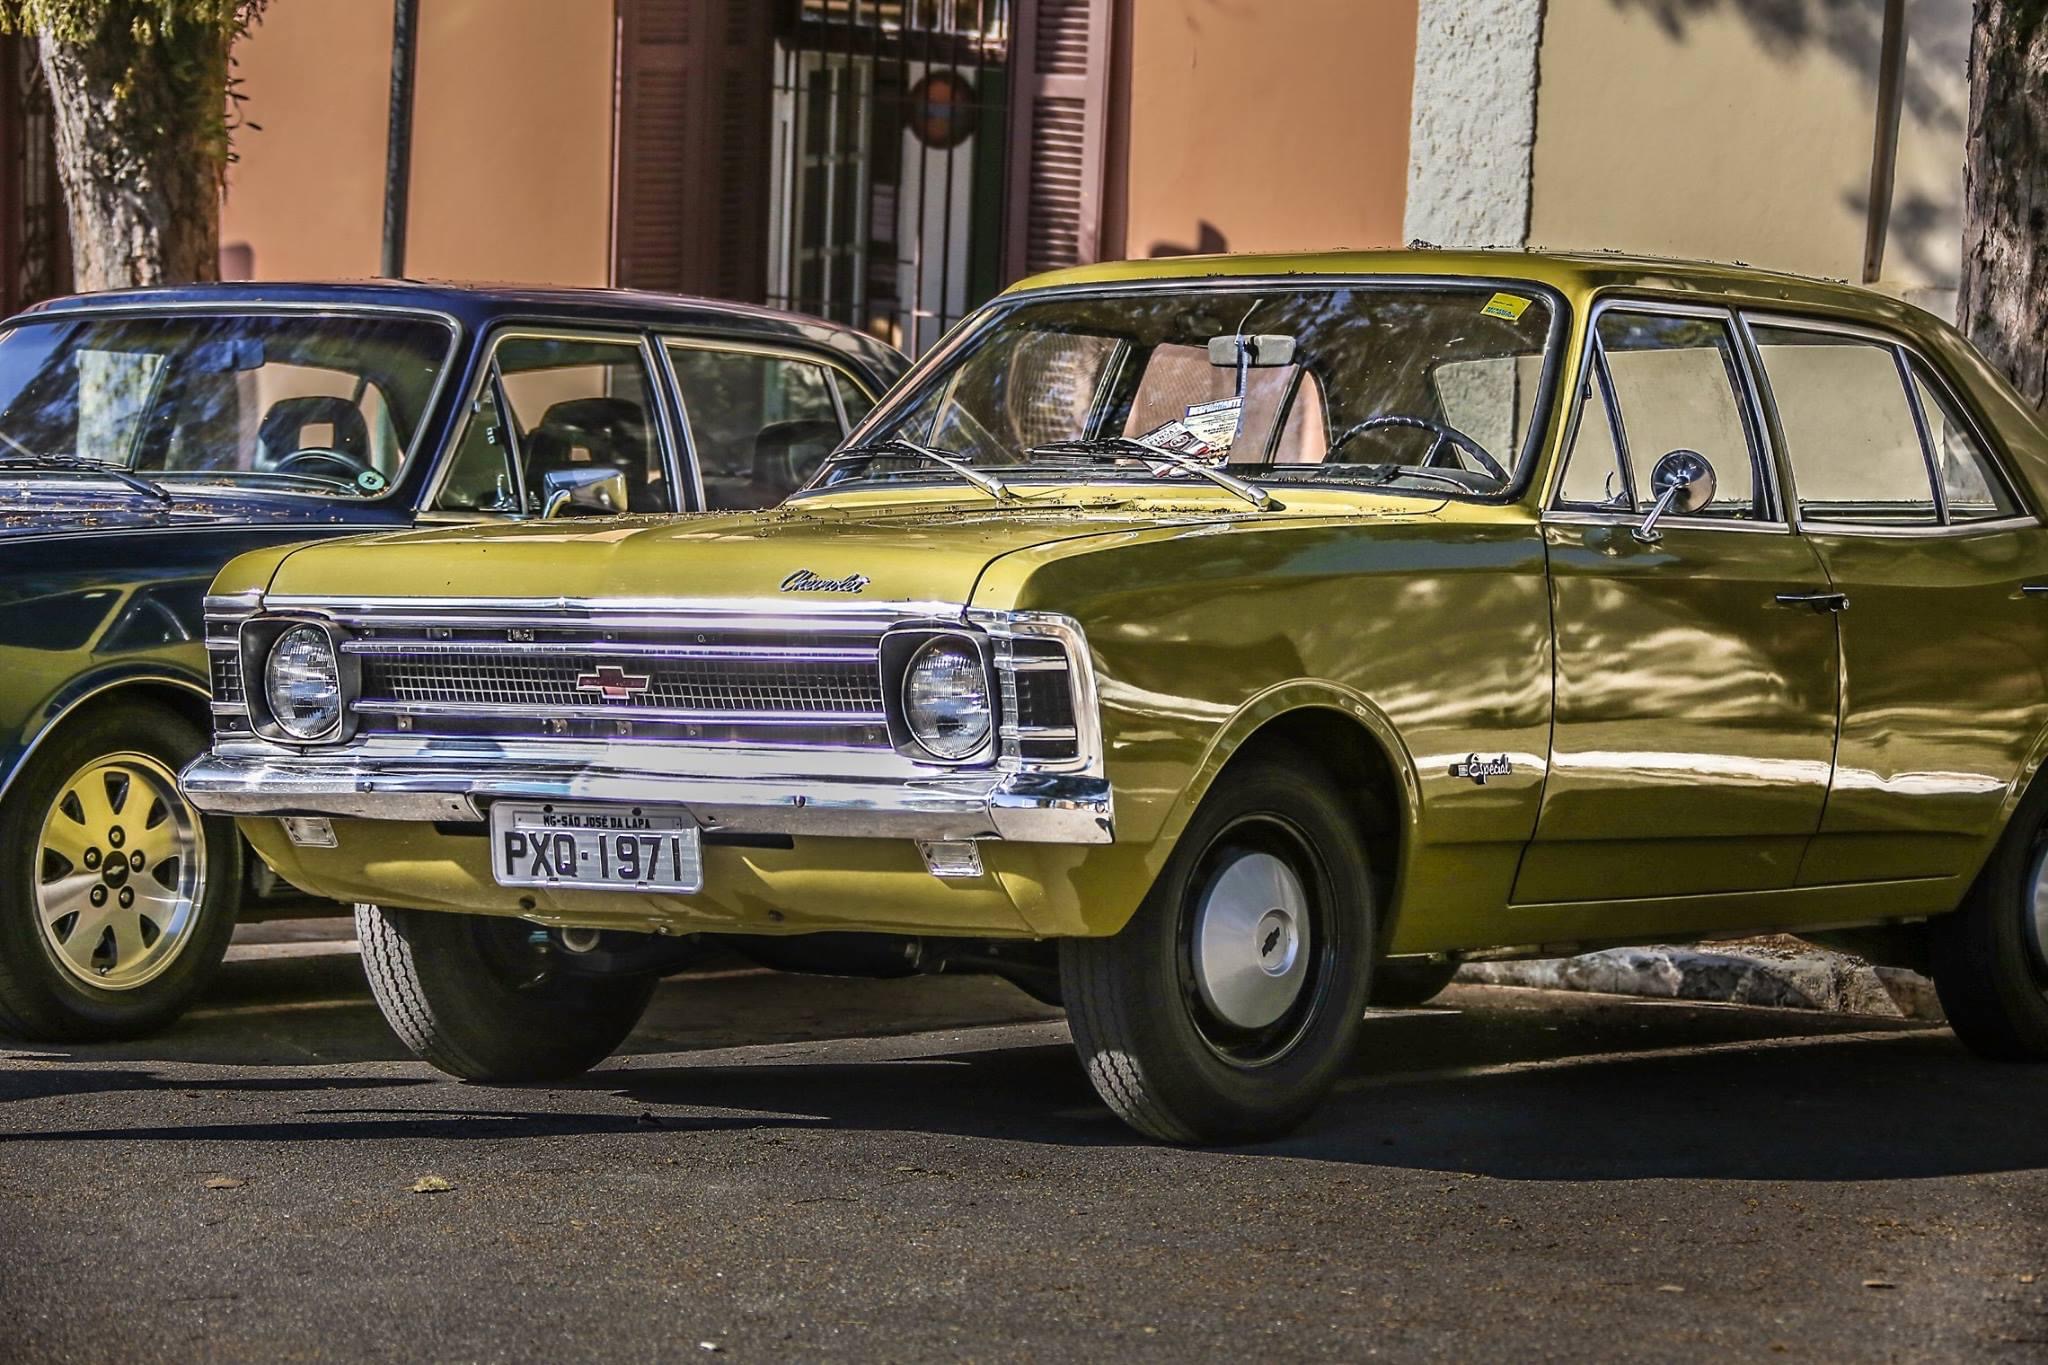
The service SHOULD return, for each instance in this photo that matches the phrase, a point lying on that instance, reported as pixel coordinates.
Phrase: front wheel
(1991, 956)
(117, 897)
(493, 999)
(1225, 1009)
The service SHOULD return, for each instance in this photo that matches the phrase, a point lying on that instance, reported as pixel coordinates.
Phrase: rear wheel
(488, 998)
(117, 897)
(1226, 1008)
(1991, 956)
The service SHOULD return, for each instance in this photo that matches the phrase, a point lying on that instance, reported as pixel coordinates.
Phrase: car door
(759, 420)
(1695, 684)
(562, 422)
(1944, 646)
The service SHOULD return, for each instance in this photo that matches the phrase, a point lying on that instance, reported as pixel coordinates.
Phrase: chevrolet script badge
(1479, 769)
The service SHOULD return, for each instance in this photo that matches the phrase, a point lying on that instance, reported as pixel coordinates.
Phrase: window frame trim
(487, 370)
(1764, 449)
(666, 343)
(1904, 355)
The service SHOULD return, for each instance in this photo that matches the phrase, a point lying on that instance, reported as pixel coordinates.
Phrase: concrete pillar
(1472, 127)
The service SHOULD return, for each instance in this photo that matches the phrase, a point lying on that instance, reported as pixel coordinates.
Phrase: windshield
(310, 403)
(1433, 387)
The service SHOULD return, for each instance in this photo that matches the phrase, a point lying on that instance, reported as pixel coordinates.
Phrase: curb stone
(1794, 976)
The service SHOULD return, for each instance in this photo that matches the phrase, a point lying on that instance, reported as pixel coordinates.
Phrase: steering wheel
(352, 468)
(1447, 437)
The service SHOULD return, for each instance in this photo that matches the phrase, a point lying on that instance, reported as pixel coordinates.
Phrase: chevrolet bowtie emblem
(1479, 769)
(615, 683)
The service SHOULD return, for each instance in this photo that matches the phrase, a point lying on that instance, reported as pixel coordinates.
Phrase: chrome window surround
(1910, 358)
(413, 448)
(782, 788)
(973, 329)
(654, 368)
(1765, 469)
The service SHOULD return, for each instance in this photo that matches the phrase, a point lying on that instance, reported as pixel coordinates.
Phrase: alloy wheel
(120, 872)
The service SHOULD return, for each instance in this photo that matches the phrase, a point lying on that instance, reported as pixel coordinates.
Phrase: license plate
(609, 847)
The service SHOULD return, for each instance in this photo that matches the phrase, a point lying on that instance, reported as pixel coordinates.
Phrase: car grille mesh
(735, 687)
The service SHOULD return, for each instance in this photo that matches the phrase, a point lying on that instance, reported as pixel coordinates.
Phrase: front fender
(77, 691)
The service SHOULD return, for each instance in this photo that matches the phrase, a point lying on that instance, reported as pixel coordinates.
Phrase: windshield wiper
(79, 464)
(1124, 448)
(896, 445)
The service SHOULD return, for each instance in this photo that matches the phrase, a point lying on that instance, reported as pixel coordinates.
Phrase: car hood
(816, 552)
(45, 507)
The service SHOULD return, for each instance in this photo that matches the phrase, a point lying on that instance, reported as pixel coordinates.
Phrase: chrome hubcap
(120, 869)
(2034, 925)
(1251, 940)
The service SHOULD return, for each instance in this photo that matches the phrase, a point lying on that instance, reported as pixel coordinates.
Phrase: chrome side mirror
(1684, 483)
(594, 488)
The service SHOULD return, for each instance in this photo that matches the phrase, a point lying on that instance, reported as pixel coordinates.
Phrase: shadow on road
(1513, 1084)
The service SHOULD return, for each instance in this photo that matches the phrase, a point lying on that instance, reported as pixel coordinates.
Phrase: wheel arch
(92, 692)
(1358, 749)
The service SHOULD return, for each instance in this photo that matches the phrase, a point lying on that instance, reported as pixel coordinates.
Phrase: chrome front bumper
(745, 792)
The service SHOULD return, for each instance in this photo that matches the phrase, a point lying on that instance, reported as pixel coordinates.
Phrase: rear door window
(760, 422)
(1849, 429)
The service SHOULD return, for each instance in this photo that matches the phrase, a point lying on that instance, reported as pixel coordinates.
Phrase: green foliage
(165, 62)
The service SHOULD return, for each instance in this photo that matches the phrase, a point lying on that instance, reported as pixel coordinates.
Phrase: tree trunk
(141, 144)
(2004, 303)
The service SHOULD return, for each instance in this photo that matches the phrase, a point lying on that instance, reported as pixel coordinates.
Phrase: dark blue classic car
(147, 437)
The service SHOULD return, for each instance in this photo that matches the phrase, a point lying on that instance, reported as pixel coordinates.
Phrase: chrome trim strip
(1573, 516)
(384, 646)
(1956, 528)
(598, 711)
(774, 615)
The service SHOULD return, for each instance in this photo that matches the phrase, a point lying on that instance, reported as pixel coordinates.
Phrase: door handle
(2034, 589)
(1817, 601)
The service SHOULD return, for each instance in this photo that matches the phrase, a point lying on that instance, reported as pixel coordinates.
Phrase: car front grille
(751, 675)
(597, 680)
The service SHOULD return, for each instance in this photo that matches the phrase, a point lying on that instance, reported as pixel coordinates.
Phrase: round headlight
(302, 682)
(945, 699)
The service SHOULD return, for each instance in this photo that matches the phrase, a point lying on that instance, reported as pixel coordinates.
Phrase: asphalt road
(785, 1168)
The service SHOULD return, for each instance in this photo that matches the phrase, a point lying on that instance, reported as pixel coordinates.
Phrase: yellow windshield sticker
(1509, 306)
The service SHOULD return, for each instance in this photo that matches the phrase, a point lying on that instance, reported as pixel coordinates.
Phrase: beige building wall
(305, 197)
(512, 127)
(1744, 132)
(1266, 125)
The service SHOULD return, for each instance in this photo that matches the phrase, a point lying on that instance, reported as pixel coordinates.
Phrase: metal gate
(887, 162)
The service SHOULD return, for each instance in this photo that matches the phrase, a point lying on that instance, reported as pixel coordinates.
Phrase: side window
(760, 424)
(577, 421)
(1592, 471)
(1970, 482)
(1674, 384)
(1849, 432)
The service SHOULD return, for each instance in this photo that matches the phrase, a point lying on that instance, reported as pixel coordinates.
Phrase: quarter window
(760, 424)
(1971, 487)
(1849, 430)
(1661, 383)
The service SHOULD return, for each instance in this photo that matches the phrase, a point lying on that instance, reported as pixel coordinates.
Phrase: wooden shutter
(690, 176)
(1058, 125)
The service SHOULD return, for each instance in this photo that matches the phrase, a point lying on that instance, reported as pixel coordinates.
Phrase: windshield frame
(187, 484)
(980, 326)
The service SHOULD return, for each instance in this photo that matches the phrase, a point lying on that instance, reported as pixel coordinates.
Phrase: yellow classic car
(1217, 646)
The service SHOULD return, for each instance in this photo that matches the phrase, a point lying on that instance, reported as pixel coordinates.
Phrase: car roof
(477, 306)
(1576, 274)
